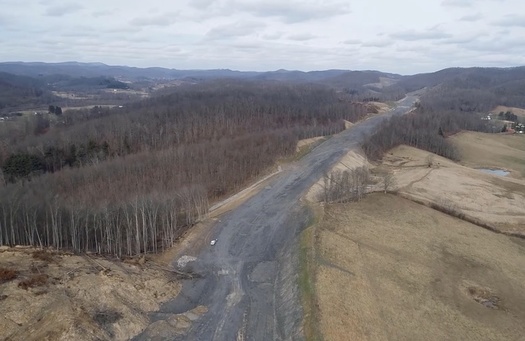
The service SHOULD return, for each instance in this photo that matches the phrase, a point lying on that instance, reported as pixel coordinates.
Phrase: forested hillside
(17, 90)
(423, 129)
(469, 90)
(455, 100)
(131, 180)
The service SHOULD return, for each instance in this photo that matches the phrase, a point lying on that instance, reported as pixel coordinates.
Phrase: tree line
(423, 129)
(469, 90)
(192, 114)
(345, 186)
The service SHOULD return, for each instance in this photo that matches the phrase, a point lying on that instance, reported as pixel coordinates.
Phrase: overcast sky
(403, 36)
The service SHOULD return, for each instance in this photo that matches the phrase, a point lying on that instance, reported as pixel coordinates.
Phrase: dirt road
(249, 277)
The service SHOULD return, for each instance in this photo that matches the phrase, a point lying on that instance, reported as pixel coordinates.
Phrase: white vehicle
(213, 241)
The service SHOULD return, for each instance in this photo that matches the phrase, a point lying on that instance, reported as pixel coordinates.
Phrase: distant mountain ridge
(34, 82)
(77, 69)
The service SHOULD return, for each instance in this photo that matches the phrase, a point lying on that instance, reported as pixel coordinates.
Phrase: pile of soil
(57, 296)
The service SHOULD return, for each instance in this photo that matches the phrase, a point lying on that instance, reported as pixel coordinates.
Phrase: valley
(263, 206)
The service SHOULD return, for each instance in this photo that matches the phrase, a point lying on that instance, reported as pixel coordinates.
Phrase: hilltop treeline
(20, 90)
(469, 90)
(131, 180)
(422, 129)
(455, 100)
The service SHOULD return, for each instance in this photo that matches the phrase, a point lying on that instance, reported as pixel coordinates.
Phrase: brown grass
(474, 195)
(480, 150)
(7, 275)
(391, 269)
(515, 111)
(34, 281)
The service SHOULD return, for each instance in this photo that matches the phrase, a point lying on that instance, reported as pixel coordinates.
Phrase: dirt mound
(309, 142)
(55, 296)
(377, 107)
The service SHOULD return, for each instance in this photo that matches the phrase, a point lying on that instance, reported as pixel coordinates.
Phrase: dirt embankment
(377, 107)
(52, 296)
(306, 143)
(353, 159)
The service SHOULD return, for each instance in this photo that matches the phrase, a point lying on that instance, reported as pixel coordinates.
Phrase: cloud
(509, 46)
(377, 43)
(292, 11)
(457, 3)
(273, 35)
(200, 4)
(267, 34)
(511, 20)
(79, 32)
(5, 20)
(471, 17)
(246, 46)
(61, 10)
(352, 42)
(302, 36)
(413, 35)
(238, 29)
(125, 29)
(102, 13)
(165, 19)
(459, 39)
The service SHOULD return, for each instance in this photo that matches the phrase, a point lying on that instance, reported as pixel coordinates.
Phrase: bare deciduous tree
(389, 181)
(346, 186)
(429, 160)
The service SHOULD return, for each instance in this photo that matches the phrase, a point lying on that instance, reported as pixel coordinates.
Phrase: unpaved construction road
(249, 278)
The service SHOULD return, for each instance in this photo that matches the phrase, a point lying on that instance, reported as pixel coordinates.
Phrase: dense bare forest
(423, 129)
(469, 90)
(17, 90)
(131, 180)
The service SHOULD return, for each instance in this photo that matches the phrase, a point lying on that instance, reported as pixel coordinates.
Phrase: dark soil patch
(7, 275)
(484, 296)
(33, 281)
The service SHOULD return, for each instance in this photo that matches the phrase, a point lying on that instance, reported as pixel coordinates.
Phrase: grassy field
(516, 111)
(492, 151)
(391, 269)
(492, 199)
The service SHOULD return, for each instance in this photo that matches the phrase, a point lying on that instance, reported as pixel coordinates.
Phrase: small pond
(494, 171)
